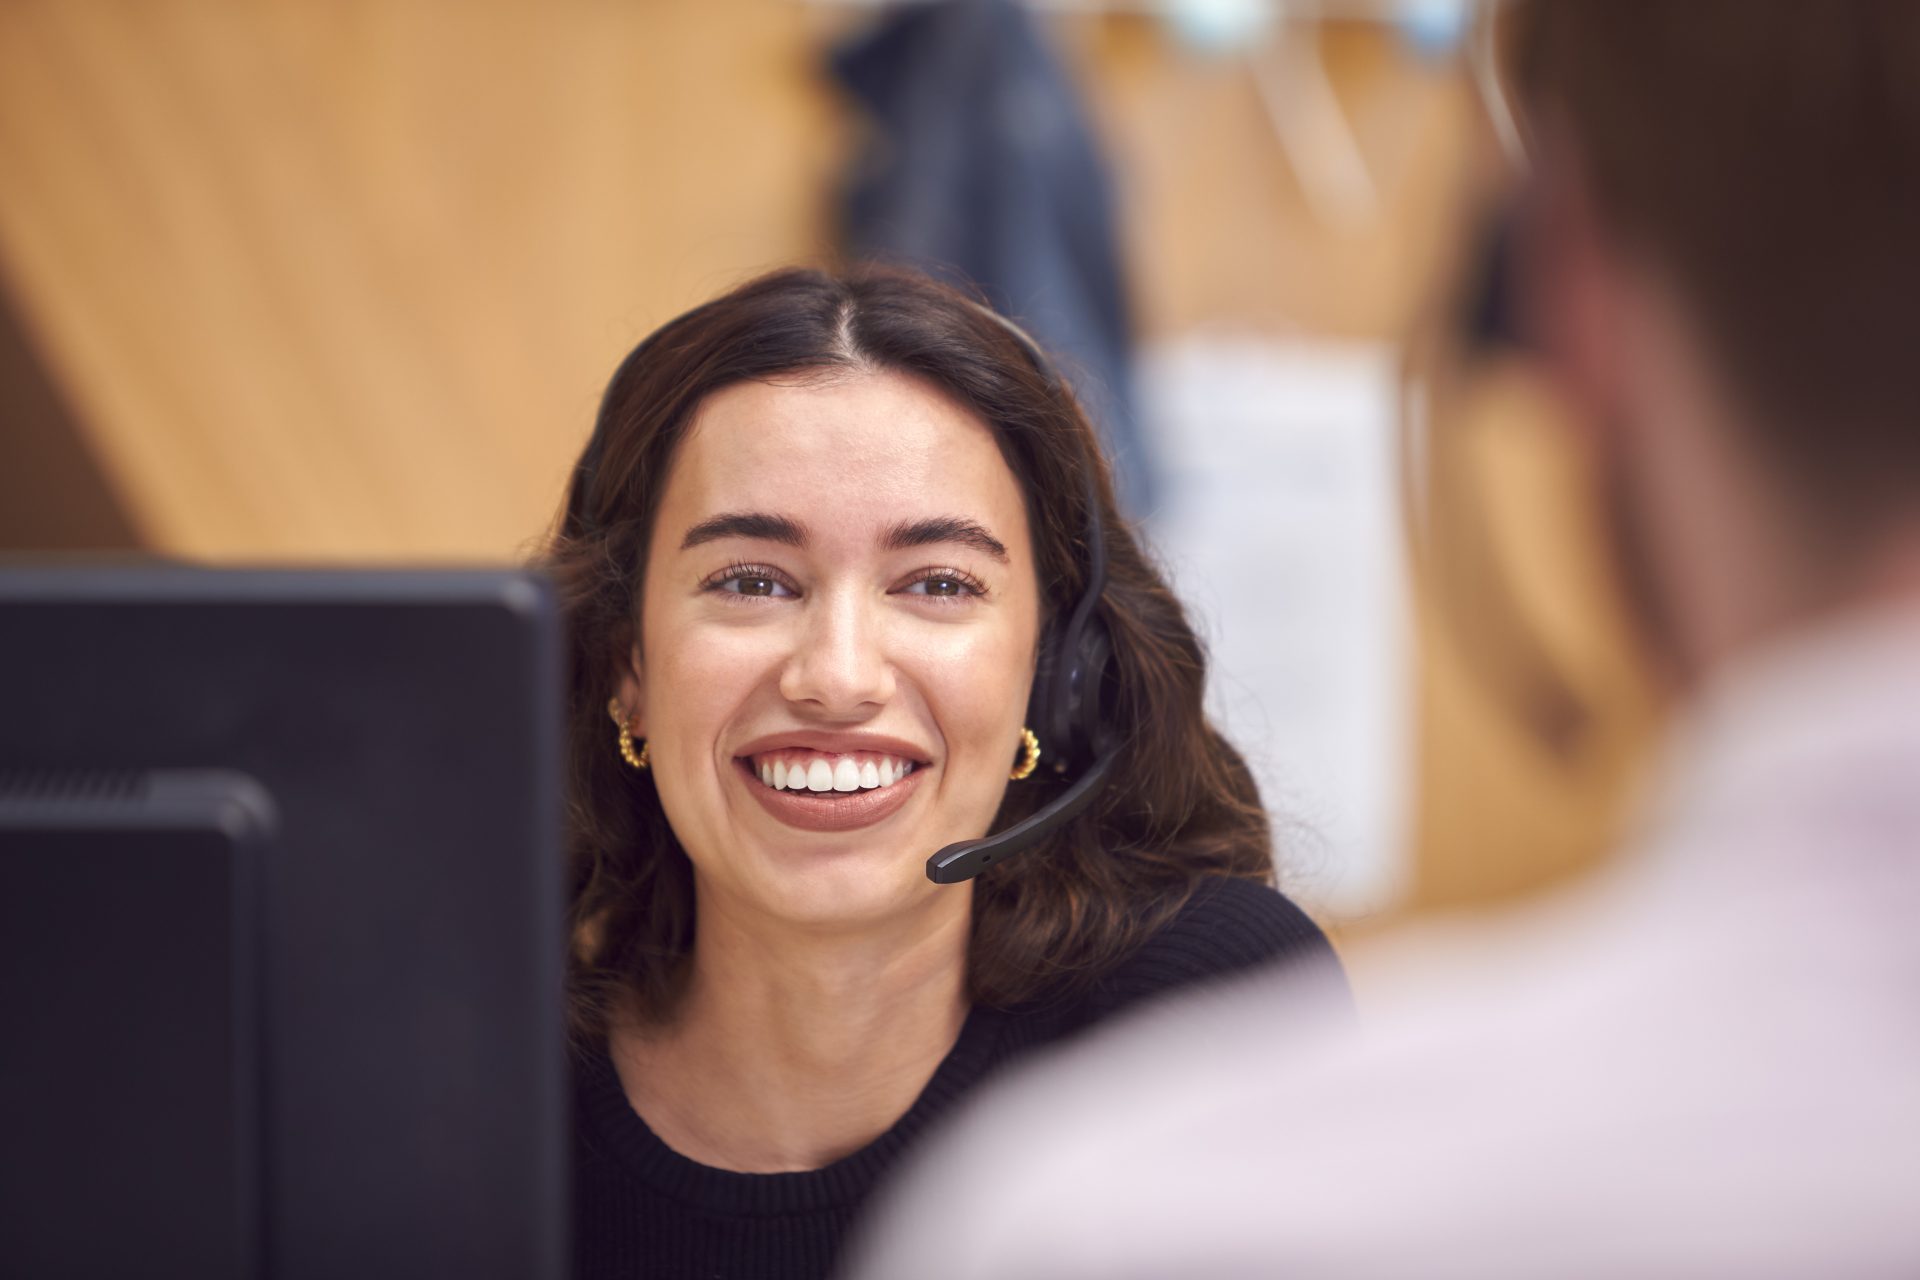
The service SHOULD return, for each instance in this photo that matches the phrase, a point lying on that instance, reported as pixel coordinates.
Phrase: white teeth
(842, 774)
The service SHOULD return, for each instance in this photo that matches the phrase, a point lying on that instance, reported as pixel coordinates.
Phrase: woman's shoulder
(1227, 926)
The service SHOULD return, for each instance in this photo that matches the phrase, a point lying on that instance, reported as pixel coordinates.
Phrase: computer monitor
(281, 924)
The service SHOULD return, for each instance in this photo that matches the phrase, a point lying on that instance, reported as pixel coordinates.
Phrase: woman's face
(838, 633)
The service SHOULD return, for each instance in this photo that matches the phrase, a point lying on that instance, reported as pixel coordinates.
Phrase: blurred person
(816, 560)
(1710, 1064)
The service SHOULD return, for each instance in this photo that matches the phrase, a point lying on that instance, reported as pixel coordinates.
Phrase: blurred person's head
(1721, 254)
(809, 559)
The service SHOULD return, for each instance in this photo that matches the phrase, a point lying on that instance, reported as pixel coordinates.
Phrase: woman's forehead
(848, 457)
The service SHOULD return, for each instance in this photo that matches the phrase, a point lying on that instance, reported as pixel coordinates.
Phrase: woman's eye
(940, 585)
(753, 584)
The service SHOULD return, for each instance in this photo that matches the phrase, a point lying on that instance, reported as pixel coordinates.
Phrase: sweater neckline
(615, 1126)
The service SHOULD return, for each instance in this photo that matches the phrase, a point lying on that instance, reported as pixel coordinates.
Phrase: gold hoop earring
(635, 759)
(1030, 758)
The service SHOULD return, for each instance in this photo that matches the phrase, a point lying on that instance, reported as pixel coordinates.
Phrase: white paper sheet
(1279, 519)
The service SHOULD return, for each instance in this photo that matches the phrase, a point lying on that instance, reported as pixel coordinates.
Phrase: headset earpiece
(1086, 712)
(1067, 708)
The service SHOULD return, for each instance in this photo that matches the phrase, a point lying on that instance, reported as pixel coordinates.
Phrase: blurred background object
(300, 281)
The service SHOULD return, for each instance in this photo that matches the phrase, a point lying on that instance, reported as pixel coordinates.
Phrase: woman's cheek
(708, 662)
(699, 683)
(983, 690)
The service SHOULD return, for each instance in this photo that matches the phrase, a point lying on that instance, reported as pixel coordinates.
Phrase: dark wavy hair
(1181, 804)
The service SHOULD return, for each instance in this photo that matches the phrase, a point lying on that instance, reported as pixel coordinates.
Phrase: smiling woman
(824, 533)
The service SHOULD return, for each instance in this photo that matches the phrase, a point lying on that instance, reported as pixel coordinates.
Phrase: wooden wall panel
(343, 280)
(1537, 713)
(1221, 233)
(54, 495)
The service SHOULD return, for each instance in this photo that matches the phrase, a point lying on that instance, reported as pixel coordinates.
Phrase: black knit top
(643, 1210)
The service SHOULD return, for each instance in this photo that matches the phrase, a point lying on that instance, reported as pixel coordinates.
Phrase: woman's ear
(629, 689)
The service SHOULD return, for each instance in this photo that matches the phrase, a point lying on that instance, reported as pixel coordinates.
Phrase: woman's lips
(830, 810)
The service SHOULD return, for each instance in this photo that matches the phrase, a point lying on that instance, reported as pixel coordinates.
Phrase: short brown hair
(1180, 804)
(1765, 156)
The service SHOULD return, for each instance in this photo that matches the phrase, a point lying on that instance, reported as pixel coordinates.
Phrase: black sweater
(643, 1210)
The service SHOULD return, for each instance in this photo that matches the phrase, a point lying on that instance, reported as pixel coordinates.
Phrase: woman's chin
(850, 888)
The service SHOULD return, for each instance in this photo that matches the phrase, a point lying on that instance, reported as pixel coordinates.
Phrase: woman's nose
(839, 662)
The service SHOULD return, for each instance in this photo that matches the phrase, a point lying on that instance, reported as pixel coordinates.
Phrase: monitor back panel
(409, 905)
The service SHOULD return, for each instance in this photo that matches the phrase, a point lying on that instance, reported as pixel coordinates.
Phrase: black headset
(1070, 679)
(1066, 710)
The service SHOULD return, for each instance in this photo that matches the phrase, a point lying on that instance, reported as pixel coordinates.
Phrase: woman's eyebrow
(920, 533)
(746, 524)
